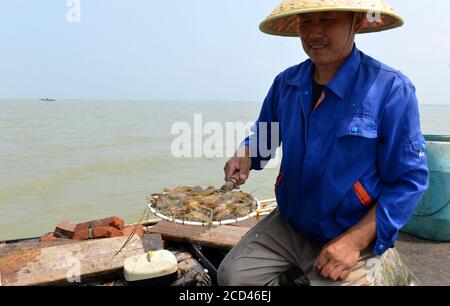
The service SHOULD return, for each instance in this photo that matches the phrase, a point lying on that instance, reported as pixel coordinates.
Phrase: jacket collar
(302, 77)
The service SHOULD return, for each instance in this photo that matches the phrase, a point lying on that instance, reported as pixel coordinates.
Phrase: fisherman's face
(324, 36)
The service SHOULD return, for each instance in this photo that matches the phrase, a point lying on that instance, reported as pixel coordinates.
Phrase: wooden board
(19, 247)
(69, 263)
(224, 236)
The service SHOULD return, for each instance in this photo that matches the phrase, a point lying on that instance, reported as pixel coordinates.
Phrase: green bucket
(431, 219)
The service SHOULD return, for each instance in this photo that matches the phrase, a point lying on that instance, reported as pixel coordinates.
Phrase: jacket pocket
(414, 153)
(358, 126)
(362, 194)
(416, 145)
(356, 143)
(350, 209)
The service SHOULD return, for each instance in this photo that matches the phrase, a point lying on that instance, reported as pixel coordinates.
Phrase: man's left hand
(338, 258)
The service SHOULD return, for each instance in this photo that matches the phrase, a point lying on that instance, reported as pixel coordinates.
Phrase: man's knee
(229, 273)
(225, 274)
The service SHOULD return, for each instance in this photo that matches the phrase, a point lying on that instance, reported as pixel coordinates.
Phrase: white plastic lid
(150, 265)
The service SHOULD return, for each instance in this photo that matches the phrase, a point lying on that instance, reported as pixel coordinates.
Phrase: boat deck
(428, 260)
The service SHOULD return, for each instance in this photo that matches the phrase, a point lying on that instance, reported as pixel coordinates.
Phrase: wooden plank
(224, 236)
(71, 263)
(9, 248)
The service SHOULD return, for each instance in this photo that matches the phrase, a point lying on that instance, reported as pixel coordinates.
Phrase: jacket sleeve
(403, 166)
(265, 135)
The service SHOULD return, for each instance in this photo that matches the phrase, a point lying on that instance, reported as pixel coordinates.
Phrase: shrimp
(198, 216)
(223, 214)
(203, 205)
(192, 205)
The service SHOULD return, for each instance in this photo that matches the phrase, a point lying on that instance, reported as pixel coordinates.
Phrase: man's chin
(320, 60)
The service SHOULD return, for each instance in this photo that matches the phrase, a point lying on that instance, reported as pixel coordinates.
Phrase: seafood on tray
(202, 205)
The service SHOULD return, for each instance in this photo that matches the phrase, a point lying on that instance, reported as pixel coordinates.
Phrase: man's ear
(359, 21)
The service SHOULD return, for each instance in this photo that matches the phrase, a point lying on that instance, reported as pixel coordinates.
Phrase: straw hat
(284, 19)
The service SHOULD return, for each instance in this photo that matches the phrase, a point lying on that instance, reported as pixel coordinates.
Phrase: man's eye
(304, 22)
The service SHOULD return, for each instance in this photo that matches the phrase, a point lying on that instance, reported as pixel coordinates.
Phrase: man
(354, 165)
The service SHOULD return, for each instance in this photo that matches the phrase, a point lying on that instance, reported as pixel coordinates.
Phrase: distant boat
(47, 100)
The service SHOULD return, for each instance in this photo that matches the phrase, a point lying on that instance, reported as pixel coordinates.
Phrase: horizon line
(165, 100)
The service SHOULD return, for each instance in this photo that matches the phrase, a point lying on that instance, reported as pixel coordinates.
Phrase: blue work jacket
(361, 145)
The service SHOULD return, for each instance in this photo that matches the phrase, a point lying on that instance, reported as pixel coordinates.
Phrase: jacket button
(381, 246)
(355, 129)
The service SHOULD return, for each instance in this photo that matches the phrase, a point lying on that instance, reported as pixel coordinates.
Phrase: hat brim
(287, 23)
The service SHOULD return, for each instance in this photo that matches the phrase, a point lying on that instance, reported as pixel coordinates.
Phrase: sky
(193, 50)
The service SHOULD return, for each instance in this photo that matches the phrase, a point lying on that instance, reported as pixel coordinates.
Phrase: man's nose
(316, 31)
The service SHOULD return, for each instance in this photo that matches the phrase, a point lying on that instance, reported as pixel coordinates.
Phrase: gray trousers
(272, 253)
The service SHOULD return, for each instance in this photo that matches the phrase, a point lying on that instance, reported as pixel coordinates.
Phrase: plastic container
(152, 268)
(431, 219)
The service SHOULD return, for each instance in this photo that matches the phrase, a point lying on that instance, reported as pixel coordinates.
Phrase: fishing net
(197, 206)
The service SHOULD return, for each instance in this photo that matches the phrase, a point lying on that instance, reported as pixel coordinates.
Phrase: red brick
(101, 232)
(127, 230)
(49, 237)
(97, 232)
(65, 229)
(115, 222)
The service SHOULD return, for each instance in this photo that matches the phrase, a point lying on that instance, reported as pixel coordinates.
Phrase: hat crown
(376, 5)
(282, 21)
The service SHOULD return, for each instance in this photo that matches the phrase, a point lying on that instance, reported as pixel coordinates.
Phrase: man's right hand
(239, 166)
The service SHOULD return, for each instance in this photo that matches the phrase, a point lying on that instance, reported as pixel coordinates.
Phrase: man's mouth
(318, 47)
